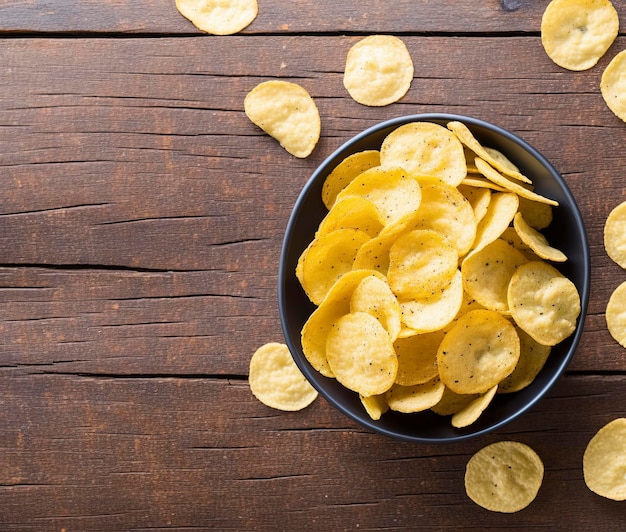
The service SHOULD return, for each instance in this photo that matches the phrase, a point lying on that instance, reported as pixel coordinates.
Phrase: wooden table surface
(141, 221)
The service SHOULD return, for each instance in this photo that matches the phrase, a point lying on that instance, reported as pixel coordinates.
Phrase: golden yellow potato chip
(536, 241)
(375, 405)
(374, 296)
(452, 402)
(543, 302)
(416, 398)
(326, 259)
(487, 273)
(425, 148)
(379, 70)
(361, 355)
(510, 236)
(285, 111)
(577, 33)
(219, 17)
(421, 263)
(532, 358)
(435, 310)
(500, 213)
(343, 174)
(615, 235)
(479, 181)
(394, 193)
(354, 212)
(504, 476)
(478, 352)
(613, 85)
(472, 411)
(616, 314)
(604, 461)
(276, 381)
(417, 358)
(479, 199)
(538, 215)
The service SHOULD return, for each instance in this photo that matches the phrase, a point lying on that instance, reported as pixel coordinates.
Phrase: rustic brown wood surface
(141, 221)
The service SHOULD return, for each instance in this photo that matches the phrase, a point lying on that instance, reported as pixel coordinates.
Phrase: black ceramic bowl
(566, 232)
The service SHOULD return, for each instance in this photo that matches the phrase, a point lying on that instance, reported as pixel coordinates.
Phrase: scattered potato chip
(375, 405)
(613, 85)
(417, 358)
(504, 476)
(276, 381)
(543, 302)
(374, 296)
(416, 398)
(425, 148)
(285, 111)
(343, 174)
(604, 461)
(219, 17)
(536, 241)
(379, 70)
(478, 352)
(354, 212)
(532, 358)
(616, 314)
(471, 412)
(577, 33)
(615, 235)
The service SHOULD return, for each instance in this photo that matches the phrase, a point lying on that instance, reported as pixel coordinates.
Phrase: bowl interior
(566, 232)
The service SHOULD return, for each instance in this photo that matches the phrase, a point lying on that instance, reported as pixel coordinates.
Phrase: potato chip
(536, 241)
(343, 174)
(487, 273)
(379, 70)
(326, 259)
(276, 381)
(471, 412)
(500, 213)
(417, 358)
(375, 405)
(374, 296)
(604, 461)
(615, 234)
(504, 476)
(416, 398)
(537, 214)
(436, 310)
(353, 212)
(452, 402)
(219, 17)
(421, 263)
(478, 352)
(577, 33)
(616, 314)
(425, 148)
(394, 193)
(361, 355)
(285, 111)
(532, 358)
(479, 181)
(511, 237)
(543, 302)
(613, 85)
(479, 199)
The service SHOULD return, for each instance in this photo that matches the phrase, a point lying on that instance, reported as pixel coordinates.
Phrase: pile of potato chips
(431, 276)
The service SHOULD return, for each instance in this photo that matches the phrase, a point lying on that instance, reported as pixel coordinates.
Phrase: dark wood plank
(118, 454)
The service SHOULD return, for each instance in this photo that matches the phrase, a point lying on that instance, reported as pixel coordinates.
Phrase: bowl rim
(330, 162)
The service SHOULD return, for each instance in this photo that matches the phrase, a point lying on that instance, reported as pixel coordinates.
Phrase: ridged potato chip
(615, 234)
(616, 314)
(343, 174)
(286, 112)
(613, 85)
(379, 70)
(504, 476)
(417, 358)
(604, 461)
(416, 398)
(276, 381)
(219, 17)
(577, 33)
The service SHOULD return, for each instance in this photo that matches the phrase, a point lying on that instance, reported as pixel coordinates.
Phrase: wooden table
(141, 222)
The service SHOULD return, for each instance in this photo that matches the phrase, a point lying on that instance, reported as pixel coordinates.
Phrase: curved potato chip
(537, 214)
(479, 199)
(536, 241)
(416, 398)
(543, 302)
(577, 33)
(452, 402)
(511, 237)
(285, 111)
(471, 412)
(379, 70)
(361, 355)
(532, 358)
(374, 296)
(353, 212)
(504, 476)
(421, 263)
(615, 235)
(478, 352)
(343, 174)
(500, 213)
(616, 314)
(276, 381)
(417, 358)
(613, 85)
(604, 461)
(480, 181)
(375, 405)
(425, 148)
(219, 17)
